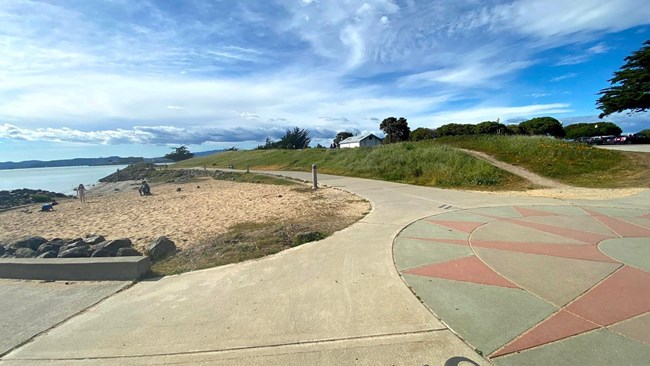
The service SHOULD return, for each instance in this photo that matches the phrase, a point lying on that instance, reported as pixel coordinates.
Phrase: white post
(314, 175)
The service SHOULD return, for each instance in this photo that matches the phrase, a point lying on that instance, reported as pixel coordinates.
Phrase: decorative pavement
(536, 285)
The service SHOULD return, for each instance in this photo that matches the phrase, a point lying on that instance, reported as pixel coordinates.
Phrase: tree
(591, 129)
(630, 88)
(396, 130)
(422, 133)
(542, 126)
(456, 129)
(514, 129)
(491, 128)
(645, 133)
(340, 137)
(180, 153)
(295, 138)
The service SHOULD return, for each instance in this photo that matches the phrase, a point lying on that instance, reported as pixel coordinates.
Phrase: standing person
(81, 193)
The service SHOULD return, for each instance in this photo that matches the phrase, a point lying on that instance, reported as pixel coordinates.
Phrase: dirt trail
(532, 177)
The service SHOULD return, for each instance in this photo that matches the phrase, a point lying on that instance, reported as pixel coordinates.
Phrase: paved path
(337, 301)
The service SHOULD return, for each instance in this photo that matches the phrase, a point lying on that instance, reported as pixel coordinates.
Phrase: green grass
(567, 162)
(422, 163)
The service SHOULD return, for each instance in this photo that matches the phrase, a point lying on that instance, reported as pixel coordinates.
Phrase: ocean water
(60, 180)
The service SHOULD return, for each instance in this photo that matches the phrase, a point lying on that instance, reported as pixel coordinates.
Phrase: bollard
(314, 175)
(247, 170)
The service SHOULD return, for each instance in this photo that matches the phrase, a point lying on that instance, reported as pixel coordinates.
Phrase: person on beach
(49, 207)
(145, 190)
(81, 193)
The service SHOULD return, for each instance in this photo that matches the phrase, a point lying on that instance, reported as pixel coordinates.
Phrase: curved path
(524, 173)
(337, 301)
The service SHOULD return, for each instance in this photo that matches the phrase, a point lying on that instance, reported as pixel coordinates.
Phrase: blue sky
(89, 78)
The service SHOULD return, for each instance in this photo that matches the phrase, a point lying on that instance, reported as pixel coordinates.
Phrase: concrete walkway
(337, 301)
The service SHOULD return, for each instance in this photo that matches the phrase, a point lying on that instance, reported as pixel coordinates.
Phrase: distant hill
(111, 160)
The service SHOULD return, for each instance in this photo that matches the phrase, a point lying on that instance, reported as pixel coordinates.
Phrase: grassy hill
(415, 163)
(437, 163)
(568, 162)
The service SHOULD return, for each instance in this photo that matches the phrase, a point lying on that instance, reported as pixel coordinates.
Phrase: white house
(367, 140)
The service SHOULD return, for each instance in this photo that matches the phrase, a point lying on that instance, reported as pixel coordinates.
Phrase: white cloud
(564, 76)
(479, 114)
(552, 18)
(223, 67)
(464, 75)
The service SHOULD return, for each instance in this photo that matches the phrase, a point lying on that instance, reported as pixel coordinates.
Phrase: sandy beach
(201, 209)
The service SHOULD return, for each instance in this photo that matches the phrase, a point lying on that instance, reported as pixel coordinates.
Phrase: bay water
(59, 179)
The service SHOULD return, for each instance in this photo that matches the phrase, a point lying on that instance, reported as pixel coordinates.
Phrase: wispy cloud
(479, 114)
(103, 72)
(564, 76)
(156, 135)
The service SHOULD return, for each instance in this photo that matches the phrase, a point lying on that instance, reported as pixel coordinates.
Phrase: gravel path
(532, 177)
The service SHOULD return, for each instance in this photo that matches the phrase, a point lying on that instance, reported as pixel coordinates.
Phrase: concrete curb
(75, 269)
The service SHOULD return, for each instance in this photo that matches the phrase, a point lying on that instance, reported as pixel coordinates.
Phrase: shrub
(40, 198)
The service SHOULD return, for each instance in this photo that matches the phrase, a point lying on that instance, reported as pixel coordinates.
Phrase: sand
(116, 210)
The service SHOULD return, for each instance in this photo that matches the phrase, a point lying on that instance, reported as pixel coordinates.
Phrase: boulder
(47, 247)
(25, 253)
(161, 248)
(112, 246)
(47, 255)
(128, 252)
(101, 253)
(57, 243)
(76, 252)
(32, 243)
(94, 239)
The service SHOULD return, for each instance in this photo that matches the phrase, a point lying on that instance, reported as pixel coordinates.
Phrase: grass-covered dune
(421, 163)
(437, 163)
(568, 162)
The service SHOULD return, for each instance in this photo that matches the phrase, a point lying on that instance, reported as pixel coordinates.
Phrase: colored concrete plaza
(523, 283)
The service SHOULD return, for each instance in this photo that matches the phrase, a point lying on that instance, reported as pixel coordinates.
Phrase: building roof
(353, 139)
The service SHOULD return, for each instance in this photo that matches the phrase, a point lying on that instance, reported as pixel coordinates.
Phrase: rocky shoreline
(25, 196)
(90, 246)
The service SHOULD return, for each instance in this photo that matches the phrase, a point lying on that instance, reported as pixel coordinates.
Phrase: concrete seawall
(75, 269)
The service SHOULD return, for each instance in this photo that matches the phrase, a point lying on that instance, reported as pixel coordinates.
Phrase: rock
(95, 239)
(178, 189)
(47, 247)
(160, 248)
(47, 255)
(77, 252)
(101, 253)
(128, 252)
(76, 244)
(25, 253)
(112, 246)
(32, 243)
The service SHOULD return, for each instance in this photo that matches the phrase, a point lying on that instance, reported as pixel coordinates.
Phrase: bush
(40, 198)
